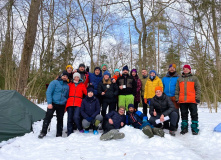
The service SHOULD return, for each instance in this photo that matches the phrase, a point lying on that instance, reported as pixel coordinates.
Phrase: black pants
(173, 120)
(49, 115)
(178, 119)
(144, 107)
(107, 127)
(73, 117)
(185, 108)
(112, 107)
(136, 105)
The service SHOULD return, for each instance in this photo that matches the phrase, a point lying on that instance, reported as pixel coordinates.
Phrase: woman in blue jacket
(90, 111)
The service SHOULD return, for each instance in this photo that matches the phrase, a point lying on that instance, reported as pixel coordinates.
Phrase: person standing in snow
(108, 92)
(133, 73)
(95, 78)
(160, 107)
(57, 95)
(90, 111)
(84, 75)
(143, 81)
(152, 82)
(113, 121)
(188, 92)
(127, 88)
(169, 86)
(73, 106)
(138, 120)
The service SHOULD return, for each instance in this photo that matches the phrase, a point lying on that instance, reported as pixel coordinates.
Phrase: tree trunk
(29, 42)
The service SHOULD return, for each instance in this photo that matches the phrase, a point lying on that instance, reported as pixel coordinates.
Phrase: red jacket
(76, 94)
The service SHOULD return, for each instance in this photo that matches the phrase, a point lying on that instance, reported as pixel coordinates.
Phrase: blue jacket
(117, 118)
(57, 92)
(169, 84)
(137, 119)
(95, 80)
(90, 107)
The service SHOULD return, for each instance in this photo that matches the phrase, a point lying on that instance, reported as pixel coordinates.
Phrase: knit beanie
(69, 66)
(103, 65)
(90, 89)
(130, 105)
(76, 74)
(64, 73)
(107, 73)
(158, 88)
(172, 65)
(116, 70)
(81, 65)
(153, 72)
(97, 68)
(133, 70)
(125, 68)
(187, 66)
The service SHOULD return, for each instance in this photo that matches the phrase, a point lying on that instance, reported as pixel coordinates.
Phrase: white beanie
(76, 74)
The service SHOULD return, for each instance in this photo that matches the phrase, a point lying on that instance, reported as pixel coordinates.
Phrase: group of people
(86, 96)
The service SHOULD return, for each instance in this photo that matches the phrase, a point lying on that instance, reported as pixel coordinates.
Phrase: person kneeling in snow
(90, 109)
(140, 121)
(114, 120)
(161, 106)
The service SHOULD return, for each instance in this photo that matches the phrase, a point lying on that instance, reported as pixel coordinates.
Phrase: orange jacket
(116, 77)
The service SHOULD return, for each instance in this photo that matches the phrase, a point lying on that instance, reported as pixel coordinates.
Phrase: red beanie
(158, 88)
(187, 66)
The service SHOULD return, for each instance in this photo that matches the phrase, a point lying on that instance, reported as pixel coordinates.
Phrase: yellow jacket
(149, 91)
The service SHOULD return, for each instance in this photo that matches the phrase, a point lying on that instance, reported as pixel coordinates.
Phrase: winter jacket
(150, 87)
(136, 119)
(115, 77)
(138, 89)
(84, 77)
(95, 80)
(130, 85)
(57, 92)
(169, 84)
(162, 105)
(188, 89)
(90, 107)
(110, 93)
(143, 81)
(76, 94)
(117, 118)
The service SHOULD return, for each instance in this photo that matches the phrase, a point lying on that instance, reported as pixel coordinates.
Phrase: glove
(87, 69)
(89, 119)
(197, 101)
(145, 100)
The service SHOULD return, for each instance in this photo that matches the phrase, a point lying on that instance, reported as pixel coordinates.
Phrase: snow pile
(135, 145)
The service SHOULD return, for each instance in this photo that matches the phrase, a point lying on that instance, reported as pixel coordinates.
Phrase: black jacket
(110, 93)
(117, 118)
(162, 105)
(130, 85)
(90, 107)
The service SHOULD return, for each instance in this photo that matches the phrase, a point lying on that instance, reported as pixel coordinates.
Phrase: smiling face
(131, 109)
(64, 77)
(81, 69)
(97, 72)
(125, 71)
(117, 73)
(69, 69)
(106, 77)
(121, 111)
(172, 69)
(76, 79)
(159, 93)
(104, 68)
(144, 72)
(90, 94)
(134, 73)
(152, 74)
(186, 70)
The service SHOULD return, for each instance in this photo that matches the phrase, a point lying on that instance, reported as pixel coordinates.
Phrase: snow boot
(194, 126)
(184, 127)
(112, 134)
(172, 133)
(41, 135)
(158, 132)
(86, 131)
(147, 131)
(95, 132)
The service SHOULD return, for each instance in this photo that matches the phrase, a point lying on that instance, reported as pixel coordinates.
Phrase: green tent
(17, 114)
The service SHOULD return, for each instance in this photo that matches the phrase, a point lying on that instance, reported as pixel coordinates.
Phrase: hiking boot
(184, 131)
(112, 134)
(41, 135)
(194, 133)
(95, 132)
(86, 131)
(172, 133)
(58, 135)
(158, 131)
(147, 131)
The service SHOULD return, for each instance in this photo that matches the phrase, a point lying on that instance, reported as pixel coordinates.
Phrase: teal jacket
(57, 92)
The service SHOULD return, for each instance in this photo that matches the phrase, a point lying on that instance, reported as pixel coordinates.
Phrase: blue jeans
(73, 117)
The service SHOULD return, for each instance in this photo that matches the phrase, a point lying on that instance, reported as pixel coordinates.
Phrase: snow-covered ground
(135, 145)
